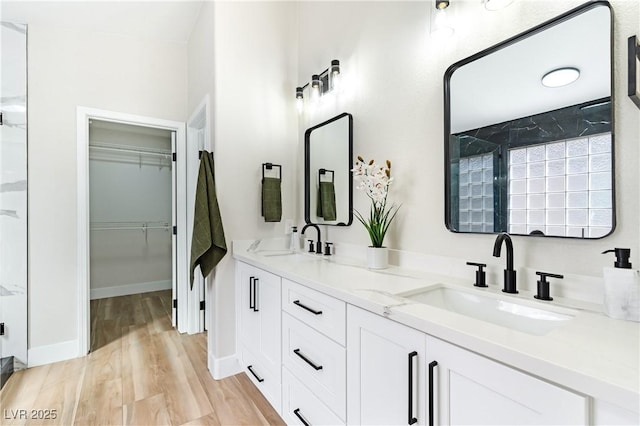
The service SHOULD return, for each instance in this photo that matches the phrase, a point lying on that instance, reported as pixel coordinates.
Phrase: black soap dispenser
(621, 287)
(622, 257)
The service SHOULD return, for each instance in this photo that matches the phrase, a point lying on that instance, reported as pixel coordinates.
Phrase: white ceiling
(169, 21)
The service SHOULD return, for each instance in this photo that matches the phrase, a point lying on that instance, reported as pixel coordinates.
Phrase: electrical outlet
(288, 224)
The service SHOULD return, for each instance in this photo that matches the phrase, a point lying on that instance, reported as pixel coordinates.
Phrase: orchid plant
(374, 180)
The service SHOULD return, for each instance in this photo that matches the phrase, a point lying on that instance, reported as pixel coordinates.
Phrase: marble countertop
(592, 354)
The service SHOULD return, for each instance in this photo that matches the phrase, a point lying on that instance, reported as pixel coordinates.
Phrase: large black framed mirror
(328, 182)
(529, 131)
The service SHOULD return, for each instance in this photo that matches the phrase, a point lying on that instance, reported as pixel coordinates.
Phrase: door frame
(198, 123)
(83, 115)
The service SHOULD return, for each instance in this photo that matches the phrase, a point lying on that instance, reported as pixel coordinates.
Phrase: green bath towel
(271, 199)
(208, 245)
(326, 201)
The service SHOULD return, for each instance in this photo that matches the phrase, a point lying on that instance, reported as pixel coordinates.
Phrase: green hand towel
(271, 200)
(208, 245)
(327, 201)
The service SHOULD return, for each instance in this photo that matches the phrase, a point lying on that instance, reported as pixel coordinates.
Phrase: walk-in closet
(130, 211)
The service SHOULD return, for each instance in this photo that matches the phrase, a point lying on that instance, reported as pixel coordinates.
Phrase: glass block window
(476, 193)
(562, 188)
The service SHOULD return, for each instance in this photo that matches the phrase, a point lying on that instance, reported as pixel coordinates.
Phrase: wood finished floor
(139, 372)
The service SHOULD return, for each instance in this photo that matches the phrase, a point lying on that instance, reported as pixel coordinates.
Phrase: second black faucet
(509, 273)
(318, 241)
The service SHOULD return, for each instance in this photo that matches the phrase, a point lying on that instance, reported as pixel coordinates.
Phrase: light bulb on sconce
(316, 88)
(334, 75)
(440, 23)
(299, 99)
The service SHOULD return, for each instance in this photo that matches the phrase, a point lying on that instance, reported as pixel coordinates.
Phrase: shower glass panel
(13, 198)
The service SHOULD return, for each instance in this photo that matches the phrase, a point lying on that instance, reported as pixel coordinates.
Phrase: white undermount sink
(288, 254)
(493, 308)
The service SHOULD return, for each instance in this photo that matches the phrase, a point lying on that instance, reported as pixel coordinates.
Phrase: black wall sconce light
(320, 84)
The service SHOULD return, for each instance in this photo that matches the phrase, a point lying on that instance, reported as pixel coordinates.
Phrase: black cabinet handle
(314, 312)
(256, 281)
(302, 419)
(307, 360)
(251, 303)
(432, 365)
(258, 378)
(411, 419)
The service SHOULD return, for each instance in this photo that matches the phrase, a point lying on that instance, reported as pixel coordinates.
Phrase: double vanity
(328, 341)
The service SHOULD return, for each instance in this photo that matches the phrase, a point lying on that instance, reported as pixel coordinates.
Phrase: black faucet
(318, 242)
(509, 273)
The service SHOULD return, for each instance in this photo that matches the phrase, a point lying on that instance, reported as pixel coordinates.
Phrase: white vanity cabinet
(471, 389)
(259, 327)
(386, 378)
(319, 360)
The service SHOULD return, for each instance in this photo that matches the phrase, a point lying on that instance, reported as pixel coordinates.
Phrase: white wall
(68, 68)
(244, 55)
(394, 74)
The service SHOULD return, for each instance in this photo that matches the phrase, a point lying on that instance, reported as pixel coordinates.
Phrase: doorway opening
(131, 217)
(131, 222)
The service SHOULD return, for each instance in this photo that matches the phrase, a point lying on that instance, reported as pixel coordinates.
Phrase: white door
(174, 236)
(267, 302)
(385, 371)
(249, 318)
(472, 389)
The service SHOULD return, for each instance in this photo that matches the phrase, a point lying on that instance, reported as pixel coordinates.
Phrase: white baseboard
(124, 290)
(48, 354)
(224, 367)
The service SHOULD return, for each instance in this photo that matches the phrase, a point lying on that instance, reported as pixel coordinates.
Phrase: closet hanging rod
(123, 228)
(133, 223)
(121, 148)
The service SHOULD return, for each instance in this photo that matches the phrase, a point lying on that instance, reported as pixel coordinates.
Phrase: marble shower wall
(13, 192)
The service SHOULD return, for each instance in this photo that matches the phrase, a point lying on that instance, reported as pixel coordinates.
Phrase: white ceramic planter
(377, 257)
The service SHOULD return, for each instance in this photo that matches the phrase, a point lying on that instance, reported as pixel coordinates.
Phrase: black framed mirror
(328, 182)
(529, 131)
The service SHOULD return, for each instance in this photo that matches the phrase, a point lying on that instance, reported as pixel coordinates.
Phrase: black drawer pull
(302, 419)
(251, 302)
(432, 365)
(297, 302)
(256, 281)
(258, 378)
(307, 360)
(411, 419)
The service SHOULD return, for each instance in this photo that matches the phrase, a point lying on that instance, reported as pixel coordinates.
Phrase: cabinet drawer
(323, 313)
(317, 361)
(298, 403)
(266, 380)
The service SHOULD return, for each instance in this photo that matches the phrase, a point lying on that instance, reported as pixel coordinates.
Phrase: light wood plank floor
(139, 372)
